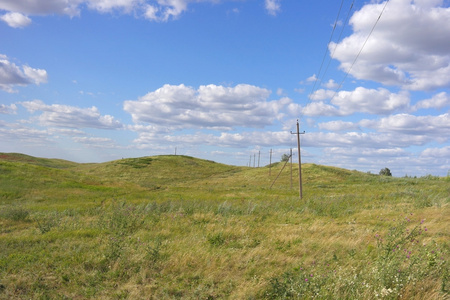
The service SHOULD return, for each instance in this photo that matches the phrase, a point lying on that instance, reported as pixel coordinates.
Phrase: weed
(217, 239)
(402, 262)
(120, 218)
(46, 222)
(15, 214)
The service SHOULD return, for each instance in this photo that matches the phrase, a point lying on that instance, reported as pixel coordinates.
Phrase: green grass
(176, 227)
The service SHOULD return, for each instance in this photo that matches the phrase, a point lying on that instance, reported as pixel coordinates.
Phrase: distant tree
(285, 157)
(385, 172)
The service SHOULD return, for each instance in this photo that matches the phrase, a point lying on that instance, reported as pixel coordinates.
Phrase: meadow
(177, 227)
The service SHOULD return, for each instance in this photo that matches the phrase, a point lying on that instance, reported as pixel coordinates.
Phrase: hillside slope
(177, 227)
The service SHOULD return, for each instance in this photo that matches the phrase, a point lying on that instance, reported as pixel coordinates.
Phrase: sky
(227, 80)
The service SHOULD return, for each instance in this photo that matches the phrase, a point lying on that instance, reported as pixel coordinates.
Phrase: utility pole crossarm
(299, 159)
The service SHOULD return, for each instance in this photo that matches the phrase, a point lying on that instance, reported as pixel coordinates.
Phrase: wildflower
(311, 275)
(306, 279)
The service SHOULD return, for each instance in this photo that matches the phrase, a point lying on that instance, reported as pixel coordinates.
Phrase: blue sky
(98, 80)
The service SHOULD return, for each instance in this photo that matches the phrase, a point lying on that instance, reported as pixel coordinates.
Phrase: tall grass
(211, 231)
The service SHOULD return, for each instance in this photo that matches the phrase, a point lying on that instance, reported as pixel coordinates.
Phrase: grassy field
(177, 227)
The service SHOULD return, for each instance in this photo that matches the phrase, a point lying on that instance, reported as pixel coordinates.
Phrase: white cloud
(210, 106)
(11, 75)
(315, 109)
(166, 10)
(439, 101)
(95, 142)
(331, 84)
(360, 100)
(8, 109)
(380, 101)
(37, 76)
(338, 126)
(437, 153)
(322, 95)
(110, 5)
(366, 152)
(71, 116)
(23, 134)
(414, 56)
(16, 20)
(273, 7)
(224, 139)
(311, 78)
(437, 127)
(157, 10)
(66, 131)
(39, 7)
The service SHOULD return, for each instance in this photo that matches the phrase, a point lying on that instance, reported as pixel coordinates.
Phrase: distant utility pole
(254, 160)
(299, 159)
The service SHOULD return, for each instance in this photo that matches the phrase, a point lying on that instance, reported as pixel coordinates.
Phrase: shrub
(385, 172)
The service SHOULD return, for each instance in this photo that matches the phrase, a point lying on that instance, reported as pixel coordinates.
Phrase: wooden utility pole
(299, 159)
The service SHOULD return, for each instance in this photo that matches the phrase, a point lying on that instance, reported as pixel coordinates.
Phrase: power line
(359, 53)
(326, 48)
(339, 39)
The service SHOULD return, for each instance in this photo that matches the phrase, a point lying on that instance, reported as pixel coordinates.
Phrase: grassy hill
(177, 227)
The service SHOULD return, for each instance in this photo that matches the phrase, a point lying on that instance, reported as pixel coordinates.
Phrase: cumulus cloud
(16, 20)
(338, 126)
(437, 127)
(224, 139)
(331, 84)
(380, 101)
(165, 10)
(24, 134)
(360, 100)
(414, 56)
(273, 7)
(371, 140)
(70, 116)
(95, 142)
(153, 10)
(316, 109)
(439, 101)
(8, 109)
(366, 152)
(209, 106)
(11, 75)
(437, 153)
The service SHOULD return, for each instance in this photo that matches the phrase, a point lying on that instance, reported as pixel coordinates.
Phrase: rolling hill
(178, 227)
